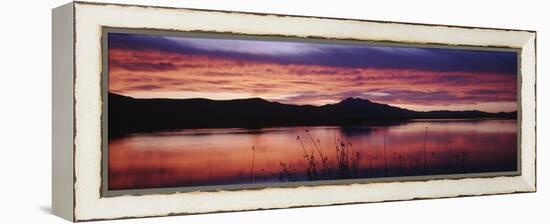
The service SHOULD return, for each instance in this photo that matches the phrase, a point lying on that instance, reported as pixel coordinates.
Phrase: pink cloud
(150, 74)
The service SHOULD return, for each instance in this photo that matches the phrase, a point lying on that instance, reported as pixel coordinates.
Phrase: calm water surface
(202, 157)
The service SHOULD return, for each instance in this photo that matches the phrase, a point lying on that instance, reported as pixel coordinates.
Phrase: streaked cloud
(246, 46)
(303, 73)
(333, 55)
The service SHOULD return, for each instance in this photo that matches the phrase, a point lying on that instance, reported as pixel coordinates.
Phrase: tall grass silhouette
(252, 165)
(345, 164)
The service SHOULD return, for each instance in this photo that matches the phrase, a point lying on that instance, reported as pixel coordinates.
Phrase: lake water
(203, 157)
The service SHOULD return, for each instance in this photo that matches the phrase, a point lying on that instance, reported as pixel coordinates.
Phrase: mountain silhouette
(130, 115)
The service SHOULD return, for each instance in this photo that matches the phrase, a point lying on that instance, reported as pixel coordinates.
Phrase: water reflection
(225, 156)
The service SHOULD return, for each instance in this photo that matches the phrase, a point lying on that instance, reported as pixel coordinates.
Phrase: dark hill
(129, 115)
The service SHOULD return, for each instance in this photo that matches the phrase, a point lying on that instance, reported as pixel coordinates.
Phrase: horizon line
(355, 98)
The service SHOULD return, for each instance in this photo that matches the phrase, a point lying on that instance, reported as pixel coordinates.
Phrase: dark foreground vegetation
(345, 164)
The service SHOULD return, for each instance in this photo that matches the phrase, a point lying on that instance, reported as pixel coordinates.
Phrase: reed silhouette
(424, 150)
(346, 162)
(252, 166)
(385, 157)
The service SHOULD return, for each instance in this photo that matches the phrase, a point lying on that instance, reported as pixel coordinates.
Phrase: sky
(422, 79)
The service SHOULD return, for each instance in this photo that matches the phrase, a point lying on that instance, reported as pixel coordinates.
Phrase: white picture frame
(77, 111)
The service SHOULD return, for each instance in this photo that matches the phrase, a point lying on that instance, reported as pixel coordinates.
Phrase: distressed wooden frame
(77, 110)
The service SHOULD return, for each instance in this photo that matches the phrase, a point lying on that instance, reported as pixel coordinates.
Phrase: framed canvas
(167, 111)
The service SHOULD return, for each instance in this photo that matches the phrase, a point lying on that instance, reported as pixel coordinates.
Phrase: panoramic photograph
(219, 110)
